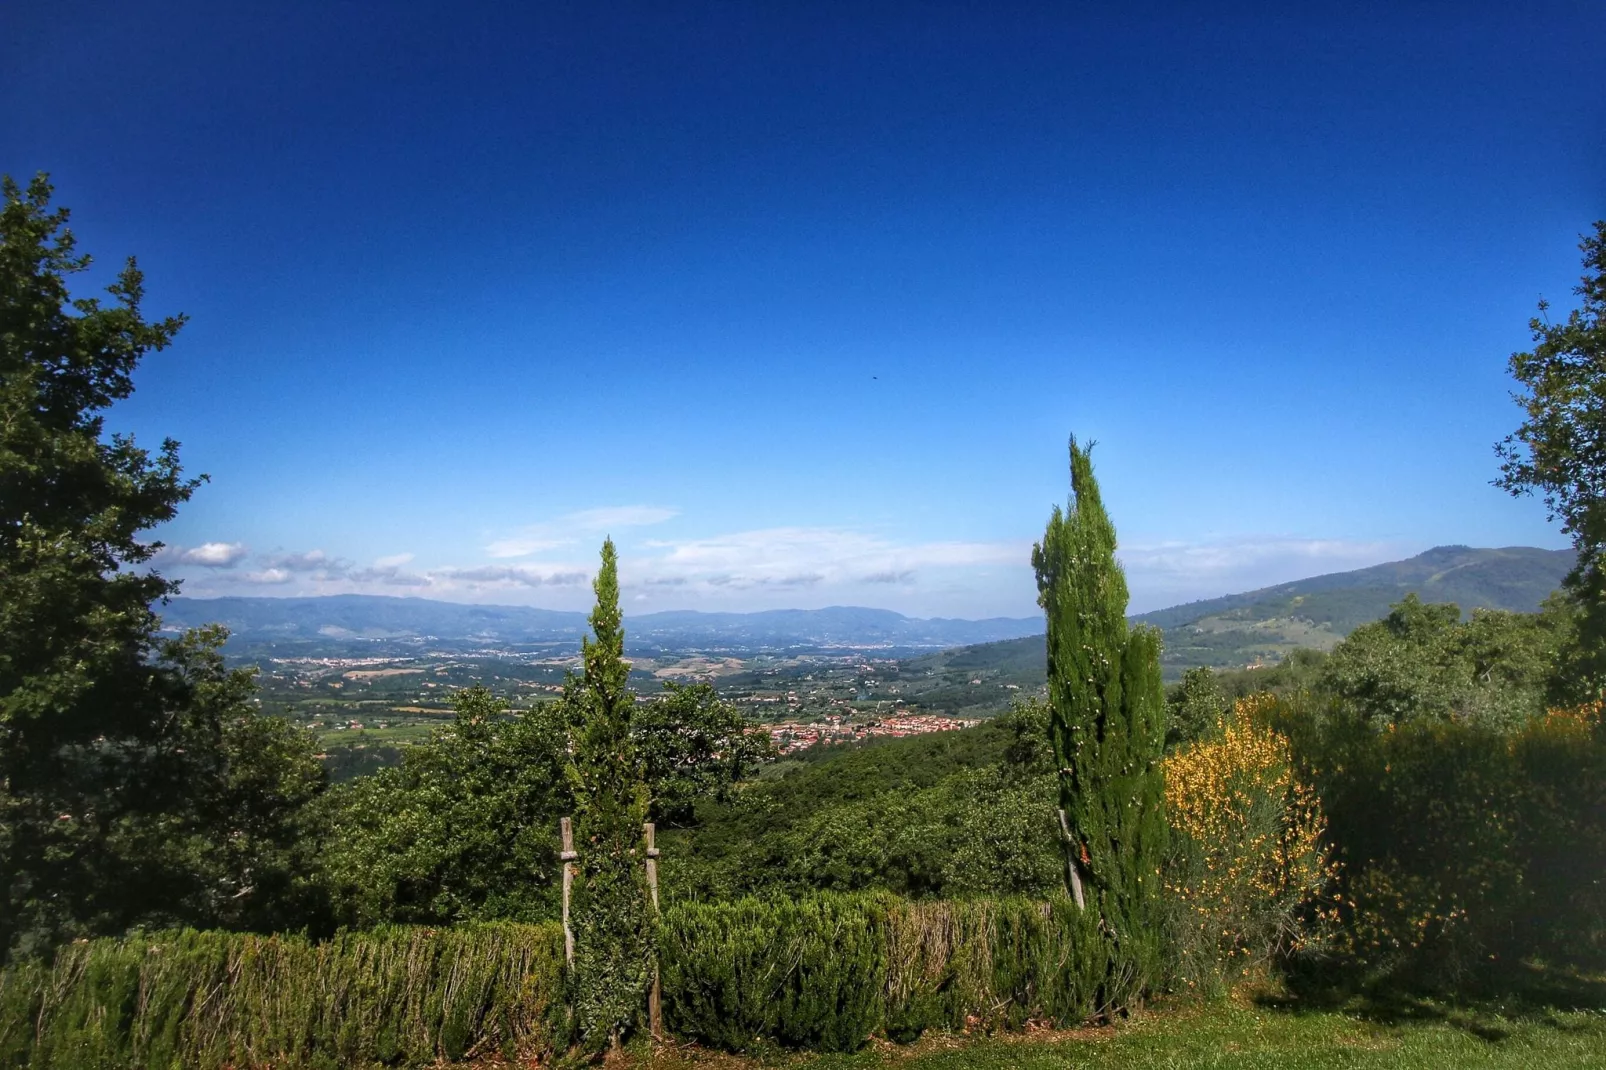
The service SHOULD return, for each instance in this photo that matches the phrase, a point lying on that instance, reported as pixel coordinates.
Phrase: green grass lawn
(1256, 1037)
(1398, 1035)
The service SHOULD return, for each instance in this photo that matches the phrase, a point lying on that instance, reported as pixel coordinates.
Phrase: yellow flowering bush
(1249, 861)
(1468, 845)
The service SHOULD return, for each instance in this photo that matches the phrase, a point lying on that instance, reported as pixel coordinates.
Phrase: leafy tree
(359, 757)
(117, 777)
(1296, 672)
(694, 745)
(1560, 450)
(1195, 707)
(1108, 718)
(261, 840)
(611, 916)
(1421, 662)
(466, 827)
(1030, 751)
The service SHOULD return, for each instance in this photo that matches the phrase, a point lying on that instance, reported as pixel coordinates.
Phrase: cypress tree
(1107, 722)
(611, 916)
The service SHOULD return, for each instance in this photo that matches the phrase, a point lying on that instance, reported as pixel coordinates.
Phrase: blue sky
(800, 302)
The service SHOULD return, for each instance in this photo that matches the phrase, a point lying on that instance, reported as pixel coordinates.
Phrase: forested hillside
(1259, 627)
(956, 813)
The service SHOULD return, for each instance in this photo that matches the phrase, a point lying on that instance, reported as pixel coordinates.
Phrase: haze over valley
(371, 673)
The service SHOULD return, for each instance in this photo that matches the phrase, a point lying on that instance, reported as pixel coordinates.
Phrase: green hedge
(827, 971)
(822, 972)
(212, 1000)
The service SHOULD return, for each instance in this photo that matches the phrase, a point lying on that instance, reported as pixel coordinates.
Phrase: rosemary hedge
(398, 996)
(827, 971)
(823, 972)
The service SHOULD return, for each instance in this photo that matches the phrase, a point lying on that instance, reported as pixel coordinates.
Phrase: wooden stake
(650, 831)
(568, 856)
(1073, 866)
(655, 1013)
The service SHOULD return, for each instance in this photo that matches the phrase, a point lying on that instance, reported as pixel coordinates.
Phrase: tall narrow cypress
(1108, 721)
(611, 917)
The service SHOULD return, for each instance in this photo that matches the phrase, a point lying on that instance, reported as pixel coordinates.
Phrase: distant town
(790, 736)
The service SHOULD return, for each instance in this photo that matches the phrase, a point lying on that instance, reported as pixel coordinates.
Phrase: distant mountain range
(346, 621)
(1234, 630)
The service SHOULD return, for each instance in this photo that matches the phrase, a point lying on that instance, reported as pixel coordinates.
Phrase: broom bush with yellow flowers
(1465, 846)
(1249, 863)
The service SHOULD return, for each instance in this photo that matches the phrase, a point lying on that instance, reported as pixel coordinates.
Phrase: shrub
(1248, 859)
(1464, 844)
(806, 972)
(828, 970)
(1562, 759)
(214, 1000)
(1426, 816)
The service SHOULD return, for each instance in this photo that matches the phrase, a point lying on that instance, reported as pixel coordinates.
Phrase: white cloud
(206, 555)
(1170, 572)
(392, 561)
(566, 530)
(269, 576)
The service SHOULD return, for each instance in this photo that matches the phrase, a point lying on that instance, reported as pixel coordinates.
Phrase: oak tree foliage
(1559, 451)
(694, 745)
(130, 768)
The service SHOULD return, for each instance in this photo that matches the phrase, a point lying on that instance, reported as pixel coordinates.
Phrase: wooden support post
(1073, 865)
(655, 1014)
(568, 856)
(650, 831)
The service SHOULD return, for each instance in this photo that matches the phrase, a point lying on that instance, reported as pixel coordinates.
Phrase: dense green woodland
(1423, 804)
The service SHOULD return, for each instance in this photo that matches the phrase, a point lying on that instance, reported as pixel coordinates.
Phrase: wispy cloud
(268, 577)
(505, 576)
(315, 572)
(392, 561)
(524, 546)
(771, 567)
(388, 572)
(807, 557)
(743, 568)
(618, 517)
(906, 576)
(304, 561)
(568, 529)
